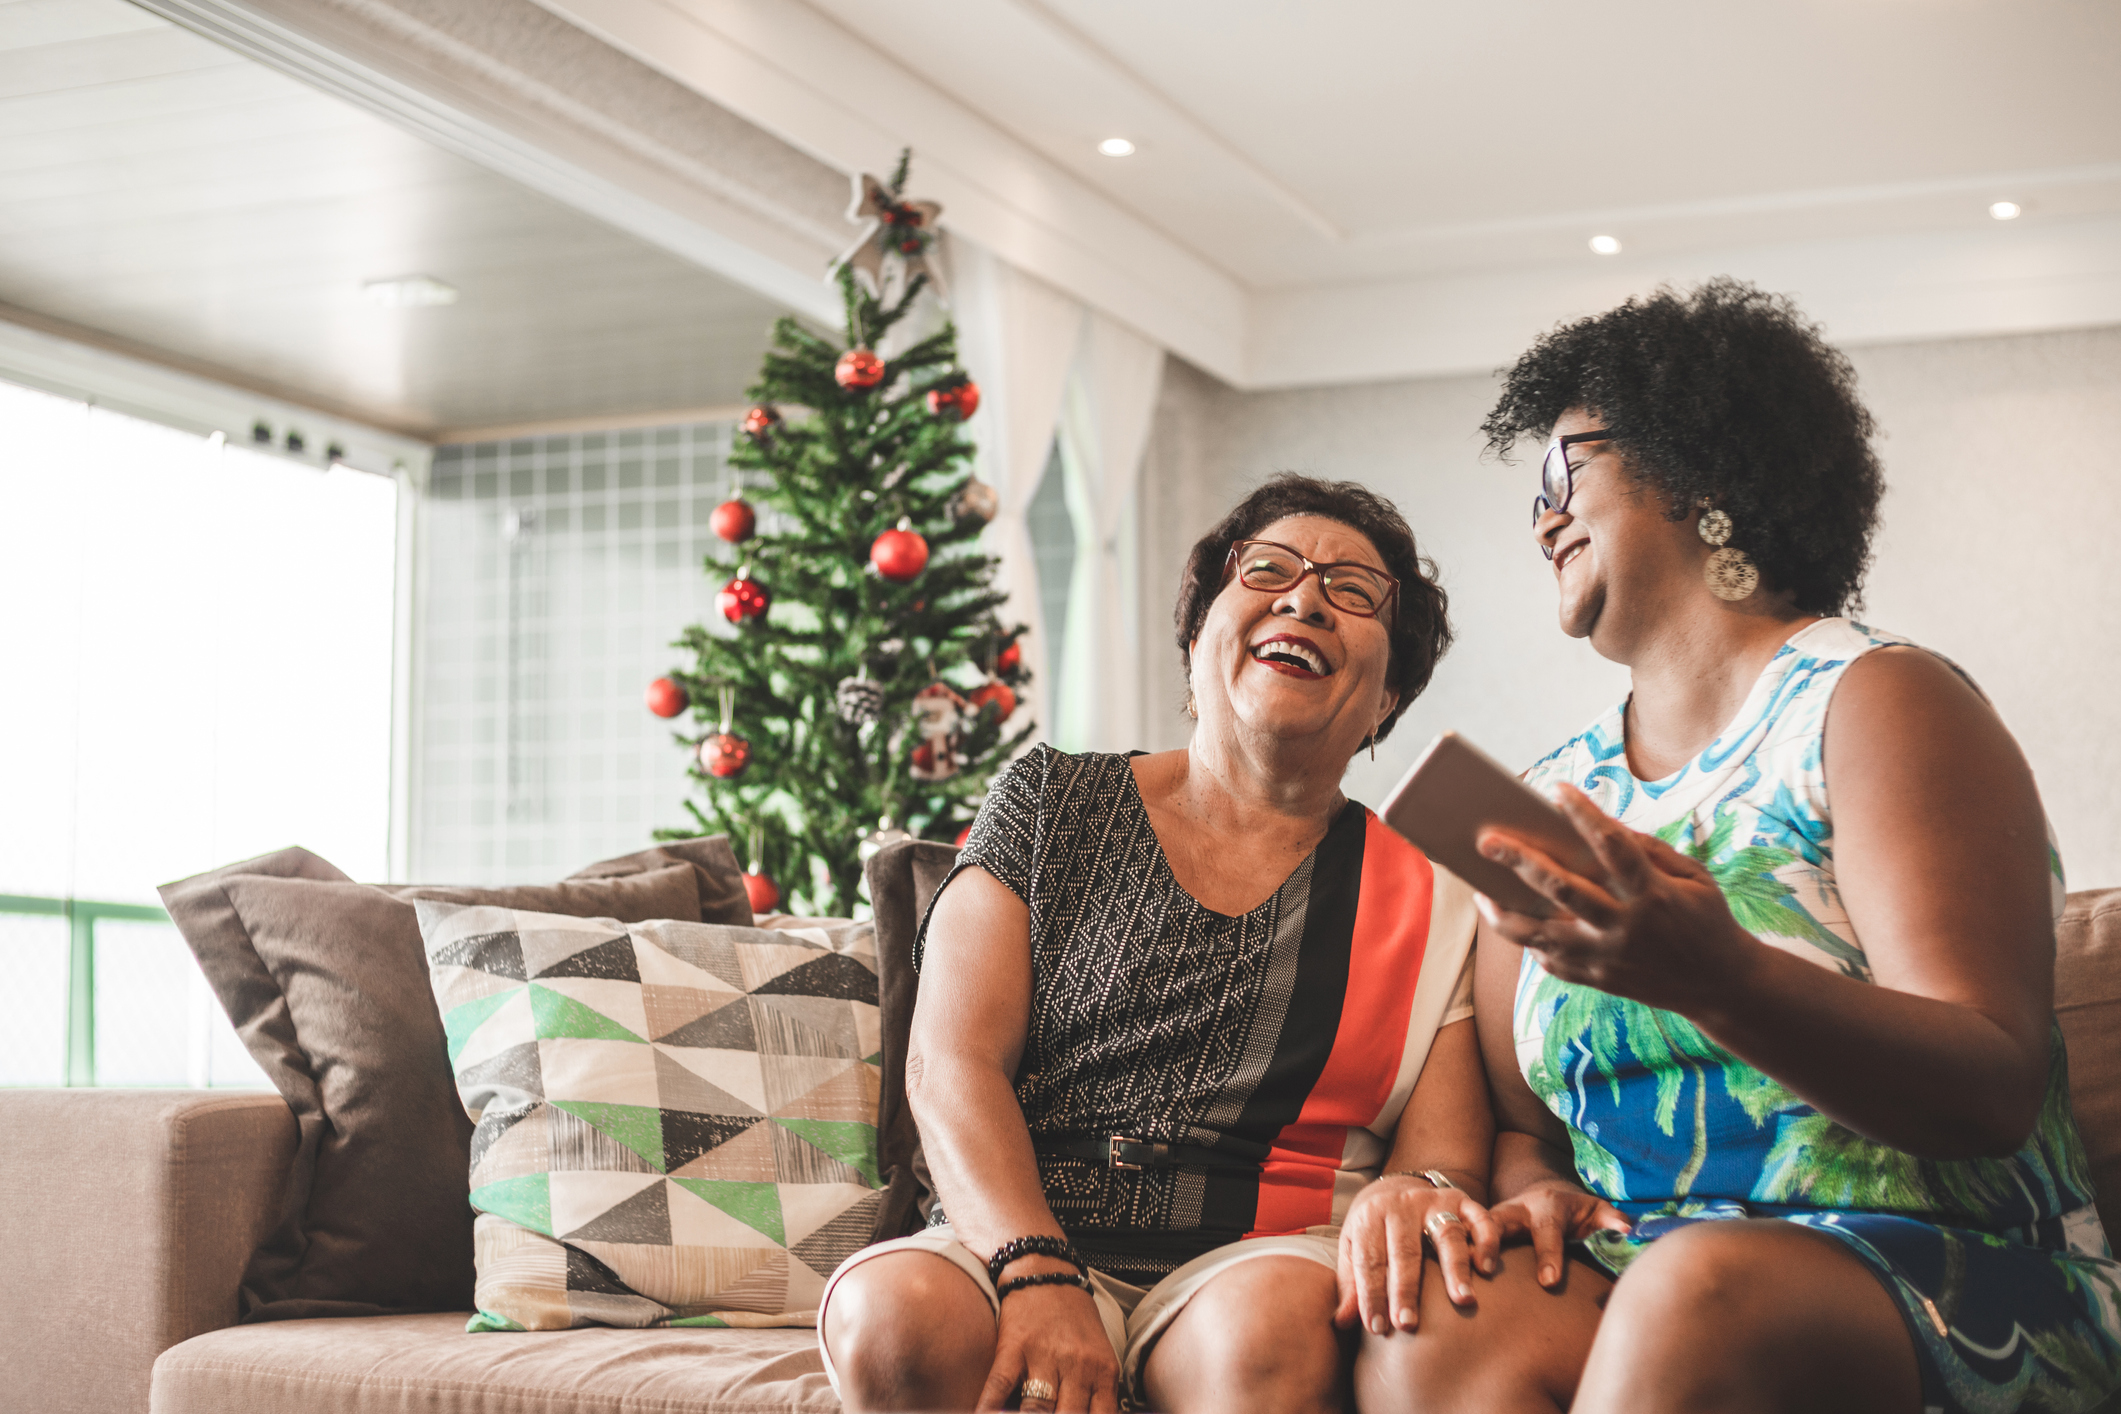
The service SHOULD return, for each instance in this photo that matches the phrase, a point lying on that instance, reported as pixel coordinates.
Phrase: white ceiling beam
(803, 78)
(501, 83)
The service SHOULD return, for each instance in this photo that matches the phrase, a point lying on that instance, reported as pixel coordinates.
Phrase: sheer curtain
(1104, 430)
(197, 641)
(1017, 338)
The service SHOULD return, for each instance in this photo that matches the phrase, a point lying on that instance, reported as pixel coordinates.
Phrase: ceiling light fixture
(1606, 245)
(408, 292)
(2006, 210)
(1116, 147)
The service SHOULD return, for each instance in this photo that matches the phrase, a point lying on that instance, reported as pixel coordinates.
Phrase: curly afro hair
(1419, 628)
(1727, 394)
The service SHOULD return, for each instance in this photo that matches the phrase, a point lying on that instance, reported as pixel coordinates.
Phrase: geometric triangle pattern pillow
(675, 1122)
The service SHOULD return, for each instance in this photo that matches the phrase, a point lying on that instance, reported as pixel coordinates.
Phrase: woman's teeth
(1570, 554)
(1296, 655)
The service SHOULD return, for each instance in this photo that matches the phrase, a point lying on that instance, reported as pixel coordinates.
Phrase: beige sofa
(129, 1216)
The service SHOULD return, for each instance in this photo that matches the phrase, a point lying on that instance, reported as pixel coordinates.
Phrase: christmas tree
(862, 682)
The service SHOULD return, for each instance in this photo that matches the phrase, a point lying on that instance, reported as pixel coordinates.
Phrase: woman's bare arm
(1536, 1192)
(968, 1036)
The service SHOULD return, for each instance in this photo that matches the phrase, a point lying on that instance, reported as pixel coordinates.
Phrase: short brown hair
(1419, 628)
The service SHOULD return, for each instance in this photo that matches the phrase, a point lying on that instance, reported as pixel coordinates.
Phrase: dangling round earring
(1731, 574)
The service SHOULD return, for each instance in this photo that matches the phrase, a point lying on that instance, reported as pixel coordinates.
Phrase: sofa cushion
(402, 1364)
(676, 1121)
(325, 981)
(2088, 1004)
(902, 878)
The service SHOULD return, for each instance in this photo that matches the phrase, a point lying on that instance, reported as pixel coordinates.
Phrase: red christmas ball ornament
(666, 698)
(765, 895)
(761, 420)
(724, 756)
(743, 598)
(963, 835)
(900, 554)
(858, 368)
(959, 402)
(999, 693)
(734, 520)
(1010, 658)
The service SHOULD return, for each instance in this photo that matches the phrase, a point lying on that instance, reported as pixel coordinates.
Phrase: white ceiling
(1300, 144)
(163, 195)
(627, 190)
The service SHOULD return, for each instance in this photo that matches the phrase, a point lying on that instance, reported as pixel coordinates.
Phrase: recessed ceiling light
(409, 292)
(1606, 245)
(2006, 210)
(1116, 147)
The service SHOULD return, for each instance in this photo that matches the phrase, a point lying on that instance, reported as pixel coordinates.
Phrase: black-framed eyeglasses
(1272, 568)
(1557, 479)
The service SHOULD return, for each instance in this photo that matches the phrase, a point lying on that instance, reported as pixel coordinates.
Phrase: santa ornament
(666, 698)
(743, 599)
(938, 719)
(725, 754)
(900, 554)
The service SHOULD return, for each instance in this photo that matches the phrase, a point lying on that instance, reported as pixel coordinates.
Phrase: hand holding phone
(1454, 792)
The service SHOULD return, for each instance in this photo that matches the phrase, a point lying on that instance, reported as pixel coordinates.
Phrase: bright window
(196, 648)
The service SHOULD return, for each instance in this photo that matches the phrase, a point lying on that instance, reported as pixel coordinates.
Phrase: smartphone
(1455, 791)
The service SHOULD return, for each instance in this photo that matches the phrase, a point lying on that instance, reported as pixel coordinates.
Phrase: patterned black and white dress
(1287, 1038)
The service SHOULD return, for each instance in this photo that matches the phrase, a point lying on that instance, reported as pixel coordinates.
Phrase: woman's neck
(1691, 677)
(1241, 785)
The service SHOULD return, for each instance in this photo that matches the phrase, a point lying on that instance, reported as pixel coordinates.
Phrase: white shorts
(1133, 1317)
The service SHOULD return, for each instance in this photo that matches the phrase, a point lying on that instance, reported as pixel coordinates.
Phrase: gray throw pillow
(326, 982)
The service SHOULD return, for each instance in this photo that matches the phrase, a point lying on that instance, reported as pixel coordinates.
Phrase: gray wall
(2003, 458)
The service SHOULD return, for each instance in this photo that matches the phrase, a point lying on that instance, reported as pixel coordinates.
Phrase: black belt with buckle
(1116, 1151)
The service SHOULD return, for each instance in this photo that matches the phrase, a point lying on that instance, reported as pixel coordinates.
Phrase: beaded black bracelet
(1038, 1245)
(1042, 1279)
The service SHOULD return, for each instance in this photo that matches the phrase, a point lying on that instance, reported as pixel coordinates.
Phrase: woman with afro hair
(1781, 1102)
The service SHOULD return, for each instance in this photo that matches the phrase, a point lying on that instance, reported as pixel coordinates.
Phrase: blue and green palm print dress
(1999, 1265)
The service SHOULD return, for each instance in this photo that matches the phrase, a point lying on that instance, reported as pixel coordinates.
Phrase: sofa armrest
(128, 1219)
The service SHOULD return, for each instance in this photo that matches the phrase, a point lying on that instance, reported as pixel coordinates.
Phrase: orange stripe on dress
(1384, 967)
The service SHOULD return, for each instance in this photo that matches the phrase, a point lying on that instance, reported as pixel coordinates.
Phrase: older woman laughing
(1180, 1012)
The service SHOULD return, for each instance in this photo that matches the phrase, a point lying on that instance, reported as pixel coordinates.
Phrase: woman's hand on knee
(1554, 1213)
(1052, 1336)
(1381, 1251)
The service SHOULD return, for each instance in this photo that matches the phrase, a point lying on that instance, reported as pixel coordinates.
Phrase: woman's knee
(1707, 1276)
(1521, 1346)
(907, 1324)
(1261, 1333)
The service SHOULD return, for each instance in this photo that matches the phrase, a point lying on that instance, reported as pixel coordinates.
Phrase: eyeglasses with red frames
(1557, 478)
(1271, 568)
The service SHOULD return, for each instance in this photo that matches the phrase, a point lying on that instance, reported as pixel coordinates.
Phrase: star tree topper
(903, 232)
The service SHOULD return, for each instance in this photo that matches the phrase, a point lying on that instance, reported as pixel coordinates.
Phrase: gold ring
(1037, 1389)
(1439, 1221)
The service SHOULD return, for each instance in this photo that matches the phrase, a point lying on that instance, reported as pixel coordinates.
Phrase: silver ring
(1438, 1221)
(1037, 1389)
